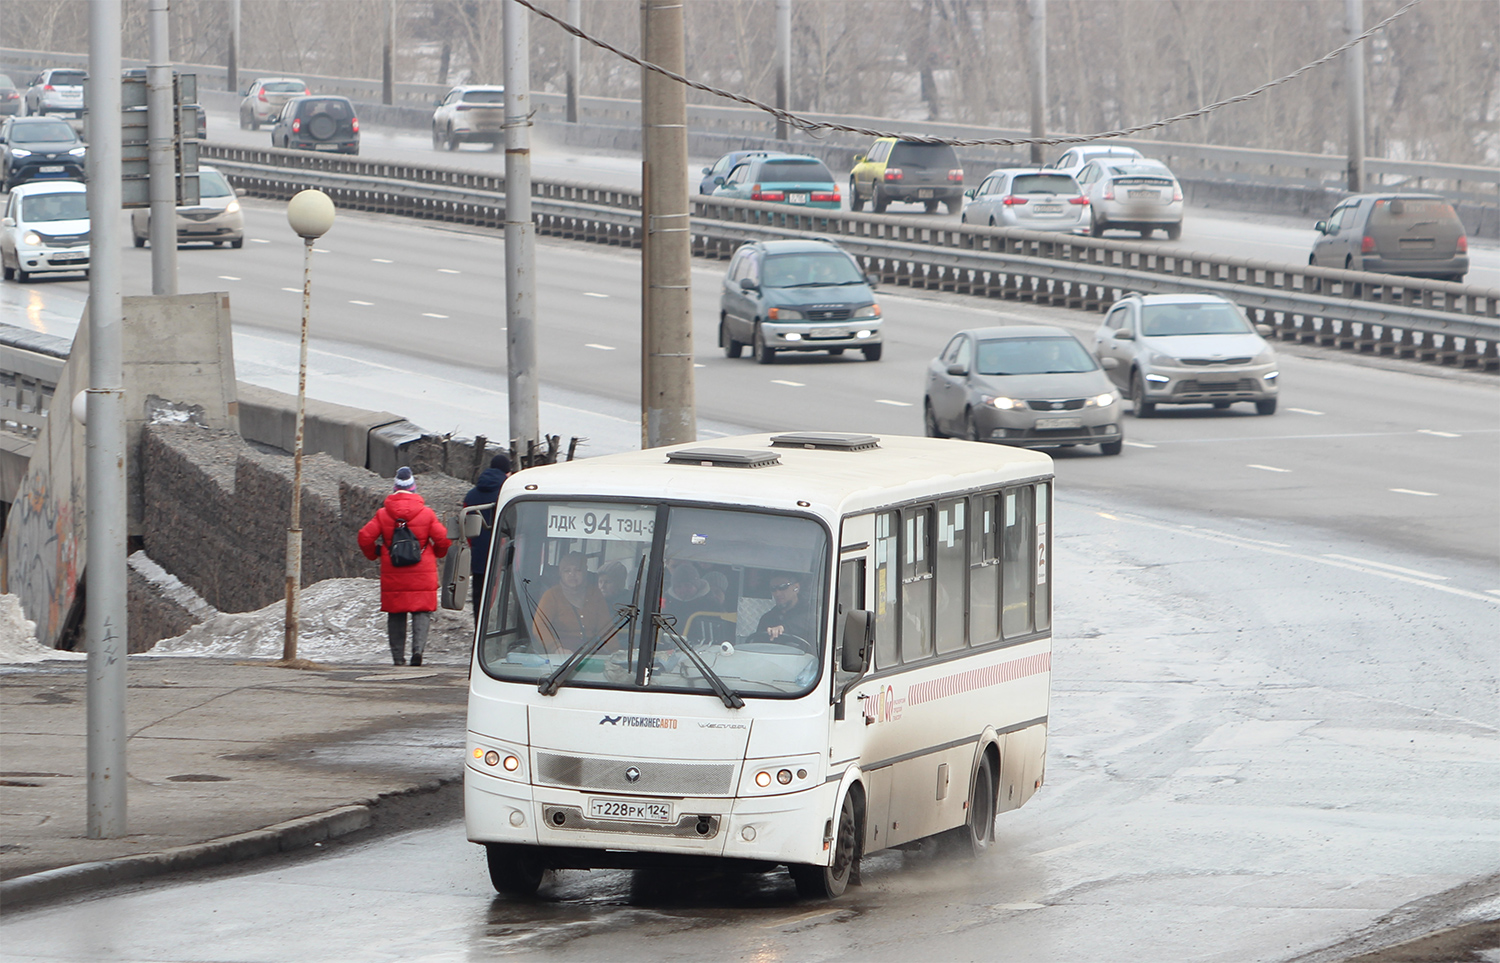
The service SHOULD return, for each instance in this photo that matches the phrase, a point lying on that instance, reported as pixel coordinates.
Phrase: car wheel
(971, 428)
(929, 420)
(856, 203)
(244, 121)
(22, 276)
(1143, 408)
(732, 348)
(237, 243)
(878, 201)
(139, 241)
(963, 218)
(835, 352)
(955, 205)
(1221, 405)
(452, 141)
(873, 352)
(1097, 225)
(1355, 290)
(1317, 283)
(829, 882)
(1174, 231)
(1146, 233)
(758, 349)
(218, 244)
(8, 272)
(1267, 407)
(437, 139)
(1111, 447)
(931, 207)
(514, 870)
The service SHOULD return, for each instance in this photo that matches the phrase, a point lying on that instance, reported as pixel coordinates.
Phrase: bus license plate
(634, 810)
(1044, 423)
(796, 198)
(924, 192)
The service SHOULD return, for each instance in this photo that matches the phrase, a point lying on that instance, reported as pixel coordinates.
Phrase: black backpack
(405, 549)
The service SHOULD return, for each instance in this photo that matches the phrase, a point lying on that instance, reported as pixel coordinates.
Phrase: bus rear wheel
(979, 834)
(829, 882)
(515, 870)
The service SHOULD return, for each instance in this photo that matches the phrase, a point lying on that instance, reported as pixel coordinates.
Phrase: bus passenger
(790, 615)
(573, 612)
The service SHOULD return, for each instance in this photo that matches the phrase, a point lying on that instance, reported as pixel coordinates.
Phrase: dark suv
(37, 147)
(1416, 235)
(797, 296)
(903, 170)
(317, 123)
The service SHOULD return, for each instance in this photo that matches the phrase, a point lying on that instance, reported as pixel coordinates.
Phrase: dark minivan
(903, 170)
(317, 123)
(1415, 235)
(811, 295)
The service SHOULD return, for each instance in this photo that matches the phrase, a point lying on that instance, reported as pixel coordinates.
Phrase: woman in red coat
(410, 588)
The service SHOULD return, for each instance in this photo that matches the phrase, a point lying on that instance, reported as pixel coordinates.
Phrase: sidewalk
(227, 760)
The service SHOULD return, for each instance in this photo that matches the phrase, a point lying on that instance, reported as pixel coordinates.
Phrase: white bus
(776, 650)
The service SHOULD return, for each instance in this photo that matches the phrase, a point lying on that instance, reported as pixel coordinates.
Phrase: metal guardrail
(1461, 182)
(30, 363)
(1382, 314)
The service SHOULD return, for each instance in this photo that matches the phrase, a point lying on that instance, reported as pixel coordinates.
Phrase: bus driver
(790, 615)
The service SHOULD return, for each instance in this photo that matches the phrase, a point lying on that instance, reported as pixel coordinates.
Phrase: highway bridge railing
(1436, 321)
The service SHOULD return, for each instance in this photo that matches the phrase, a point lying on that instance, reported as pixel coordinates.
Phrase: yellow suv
(903, 170)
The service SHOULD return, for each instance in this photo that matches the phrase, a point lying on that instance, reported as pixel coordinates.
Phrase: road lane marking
(259, 240)
(898, 404)
(448, 271)
(789, 384)
(1393, 568)
(1411, 491)
(1139, 444)
(293, 290)
(697, 365)
(227, 277)
(813, 915)
(1440, 434)
(364, 304)
(382, 260)
(594, 294)
(1007, 906)
(321, 250)
(601, 347)
(1252, 541)
(1305, 411)
(429, 314)
(1284, 471)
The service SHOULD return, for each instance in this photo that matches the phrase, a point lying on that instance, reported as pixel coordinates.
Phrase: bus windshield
(632, 595)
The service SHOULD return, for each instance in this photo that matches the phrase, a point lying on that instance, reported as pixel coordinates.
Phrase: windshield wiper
(667, 623)
(553, 682)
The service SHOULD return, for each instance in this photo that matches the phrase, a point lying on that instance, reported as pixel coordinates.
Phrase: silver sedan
(1032, 199)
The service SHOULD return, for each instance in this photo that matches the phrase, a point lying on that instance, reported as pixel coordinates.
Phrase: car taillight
(1080, 199)
(826, 196)
(1109, 190)
(957, 174)
(262, 95)
(1010, 200)
(1176, 193)
(1463, 244)
(297, 125)
(756, 194)
(1367, 245)
(356, 125)
(893, 173)
(48, 87)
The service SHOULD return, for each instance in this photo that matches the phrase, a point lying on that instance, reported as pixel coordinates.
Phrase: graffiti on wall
(42, 554)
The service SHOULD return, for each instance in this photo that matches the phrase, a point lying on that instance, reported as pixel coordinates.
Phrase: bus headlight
(497, 759)
(764, 777)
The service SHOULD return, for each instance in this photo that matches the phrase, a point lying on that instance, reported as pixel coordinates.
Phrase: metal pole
(161, 154)
(232, 71)
(387, 59)
(1354, 16)
(575, 59)
(667, 414)
(783, 64)
(520, 238)
(1037, 34)
(294, 531)
(105, 624)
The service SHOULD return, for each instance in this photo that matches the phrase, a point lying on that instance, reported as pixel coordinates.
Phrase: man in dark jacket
(485, 492)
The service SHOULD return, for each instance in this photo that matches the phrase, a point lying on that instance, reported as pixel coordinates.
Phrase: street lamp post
(310, 214)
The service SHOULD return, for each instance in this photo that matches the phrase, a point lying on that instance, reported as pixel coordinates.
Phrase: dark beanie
(405, 481)
(502, 462)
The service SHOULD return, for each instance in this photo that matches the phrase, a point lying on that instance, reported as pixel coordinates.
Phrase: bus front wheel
(515, 870)
(829, 882)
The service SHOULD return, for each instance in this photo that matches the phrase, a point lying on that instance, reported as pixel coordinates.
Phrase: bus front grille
(613, 775)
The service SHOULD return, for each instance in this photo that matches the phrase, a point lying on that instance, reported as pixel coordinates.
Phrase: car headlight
(1270, 375)
(1157, 379)
(18, 152)
(32, 238)
(1100, 401)
(784, 314)
(232, 207)
(79, 151)
(792, 336)
(868, 311)
(1003, 403)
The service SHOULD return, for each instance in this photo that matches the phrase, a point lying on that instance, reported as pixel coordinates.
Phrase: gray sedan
(1031, 386)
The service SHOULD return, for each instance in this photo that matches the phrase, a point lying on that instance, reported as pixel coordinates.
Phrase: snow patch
(18, 642)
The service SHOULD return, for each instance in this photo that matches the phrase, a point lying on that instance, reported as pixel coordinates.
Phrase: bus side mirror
(473, 520)
(859, 638)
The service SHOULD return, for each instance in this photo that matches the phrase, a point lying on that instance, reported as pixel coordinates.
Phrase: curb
(278, 838)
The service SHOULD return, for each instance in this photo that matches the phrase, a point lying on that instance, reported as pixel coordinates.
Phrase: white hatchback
(45, 230)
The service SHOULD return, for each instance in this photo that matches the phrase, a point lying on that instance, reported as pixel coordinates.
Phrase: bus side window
(916, 584)
(984, 570)
(887, 644)
(950, 563)
(1043, 558)
(1016, 562)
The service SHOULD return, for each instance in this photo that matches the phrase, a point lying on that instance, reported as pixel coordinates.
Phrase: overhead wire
(813, 126)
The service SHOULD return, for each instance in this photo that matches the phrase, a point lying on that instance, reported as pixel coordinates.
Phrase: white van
(45, 230)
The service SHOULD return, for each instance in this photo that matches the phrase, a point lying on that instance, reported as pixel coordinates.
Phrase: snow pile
(18, 636)
(339, 620)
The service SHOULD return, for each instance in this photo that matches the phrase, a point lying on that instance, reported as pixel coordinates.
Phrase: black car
(32, 148)
(317, 123)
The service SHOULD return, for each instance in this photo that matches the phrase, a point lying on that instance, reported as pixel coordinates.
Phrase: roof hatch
(723, 457)
(825, 441)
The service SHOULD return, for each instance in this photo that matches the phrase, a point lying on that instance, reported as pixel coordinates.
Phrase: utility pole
(1037, 34)
(520, 237)
(575, 58)
(104, 618)
(667, 416)
(387, 58)
(783, 65)
(1354, 22)
(232, 66)
(161, 156)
